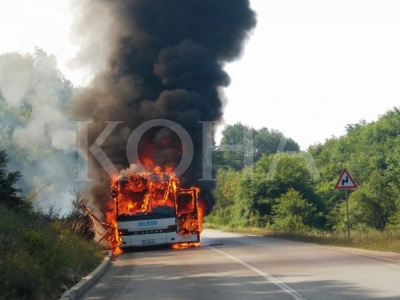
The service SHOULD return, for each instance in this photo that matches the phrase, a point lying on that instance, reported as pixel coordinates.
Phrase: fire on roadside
(146, 191)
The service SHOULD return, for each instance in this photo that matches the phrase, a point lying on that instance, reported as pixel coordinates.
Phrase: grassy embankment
(39, 258)
(388, 241)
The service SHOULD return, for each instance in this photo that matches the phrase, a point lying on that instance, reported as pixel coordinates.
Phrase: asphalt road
(248, 267)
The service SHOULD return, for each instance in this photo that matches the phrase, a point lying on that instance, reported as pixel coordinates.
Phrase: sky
(309, 68)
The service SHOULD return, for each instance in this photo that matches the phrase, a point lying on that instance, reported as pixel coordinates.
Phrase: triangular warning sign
(345, 181)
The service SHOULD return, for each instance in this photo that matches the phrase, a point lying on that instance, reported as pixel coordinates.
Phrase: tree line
(294, 190)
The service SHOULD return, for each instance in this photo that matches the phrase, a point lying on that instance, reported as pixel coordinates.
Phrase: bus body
(156, 230)
(154, 210)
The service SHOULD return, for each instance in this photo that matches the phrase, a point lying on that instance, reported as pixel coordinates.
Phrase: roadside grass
(38, 256)
(387, 241)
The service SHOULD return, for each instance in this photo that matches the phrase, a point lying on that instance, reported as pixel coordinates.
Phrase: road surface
(248, 267)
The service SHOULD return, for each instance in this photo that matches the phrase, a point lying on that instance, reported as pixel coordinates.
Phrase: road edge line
(88, 281)
(267, 276)
(355, 252)
(377, 254)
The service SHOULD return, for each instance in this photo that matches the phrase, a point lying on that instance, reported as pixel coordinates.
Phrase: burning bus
(152, 209)
(159, 60)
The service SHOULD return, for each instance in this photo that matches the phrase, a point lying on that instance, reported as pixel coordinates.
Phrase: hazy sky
(309, 69)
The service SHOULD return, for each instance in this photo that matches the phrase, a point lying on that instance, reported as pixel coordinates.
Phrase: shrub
(292, 212)
(33, 252)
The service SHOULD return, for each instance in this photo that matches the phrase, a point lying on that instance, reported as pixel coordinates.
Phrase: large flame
(145, 192)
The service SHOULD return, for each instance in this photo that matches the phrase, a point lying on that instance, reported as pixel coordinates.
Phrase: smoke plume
(157, 60)
(38, 136)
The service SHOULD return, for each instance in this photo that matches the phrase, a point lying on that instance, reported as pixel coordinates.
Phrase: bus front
(151, 209)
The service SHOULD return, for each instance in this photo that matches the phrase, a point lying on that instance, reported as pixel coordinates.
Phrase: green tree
(293, 213)
(225, 194)
(256, 193)
(267, 142)
(370, 151)
(252, 197)
(8, 193)
(258, 143)
(233, 135)
(373, 203)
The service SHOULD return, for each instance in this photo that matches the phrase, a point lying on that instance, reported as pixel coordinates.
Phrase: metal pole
(347, 212)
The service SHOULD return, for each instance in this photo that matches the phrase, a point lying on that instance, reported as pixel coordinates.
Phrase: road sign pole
(347, 213)
(346, 182)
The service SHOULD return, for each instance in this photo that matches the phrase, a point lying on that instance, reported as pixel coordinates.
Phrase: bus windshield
(140, 196)
(158, 213)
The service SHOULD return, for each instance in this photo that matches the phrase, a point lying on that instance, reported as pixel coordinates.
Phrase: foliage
(254, 144)
(78, 220)
(225, 192)
(373, 203)
(36, 248)
(274, 176)
(259, 194)
(34, 251)
(8, 193)
(293, 213)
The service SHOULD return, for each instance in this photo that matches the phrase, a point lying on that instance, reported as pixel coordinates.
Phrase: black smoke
(165, 61)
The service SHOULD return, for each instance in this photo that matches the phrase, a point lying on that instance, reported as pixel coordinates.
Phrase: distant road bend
(249, 267)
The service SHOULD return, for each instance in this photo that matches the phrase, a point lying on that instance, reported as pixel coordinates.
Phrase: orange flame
(186, 246)
(146, 191)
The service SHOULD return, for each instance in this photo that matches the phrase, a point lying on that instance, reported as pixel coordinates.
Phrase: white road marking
(267, 276)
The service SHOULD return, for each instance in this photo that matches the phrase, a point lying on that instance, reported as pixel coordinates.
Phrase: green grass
(34, 252)
(388, 241)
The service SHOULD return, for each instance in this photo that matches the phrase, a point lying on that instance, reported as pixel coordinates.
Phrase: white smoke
(35, 127)
(17, 78)
(46, 121)
(42, 134)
